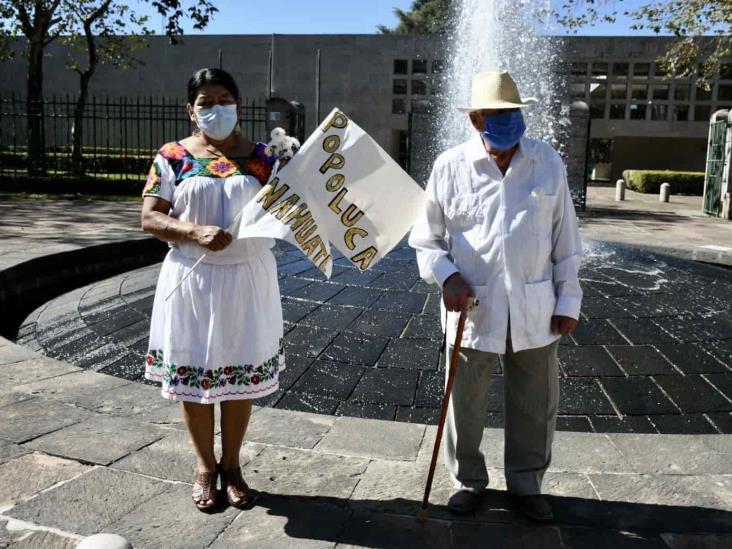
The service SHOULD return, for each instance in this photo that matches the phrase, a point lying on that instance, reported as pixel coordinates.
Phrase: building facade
(640, 118)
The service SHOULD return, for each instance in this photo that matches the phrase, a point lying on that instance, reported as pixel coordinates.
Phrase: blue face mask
(503, 130)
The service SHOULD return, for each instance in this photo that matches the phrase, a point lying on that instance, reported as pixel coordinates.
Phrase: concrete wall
(683, 154)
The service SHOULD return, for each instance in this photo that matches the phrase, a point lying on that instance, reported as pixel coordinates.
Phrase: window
(702, 94)
(579, 68)
(681, 93)
(400, 87)
(725, 71)
(599, 70)
(660, 92)
(637, 112)
(577, 91)
(420, 106)
(724, 93)
(659, 71)
(401, 66)
(597, 110)
(659, 112)
(617, 111)
(702, 113)
(618, 91)
(437, 66)
(641, 71)
(398, 106)
(419, 66)
(680, 113)
(620, 71)
(639, 91)
(419, 87)
(597, 92)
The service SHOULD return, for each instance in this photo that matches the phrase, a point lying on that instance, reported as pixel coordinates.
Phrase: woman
(218, 338)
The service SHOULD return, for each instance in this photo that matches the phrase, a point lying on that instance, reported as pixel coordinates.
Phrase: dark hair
(211, 77)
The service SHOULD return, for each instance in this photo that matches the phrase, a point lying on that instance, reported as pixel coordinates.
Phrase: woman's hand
(211, 237)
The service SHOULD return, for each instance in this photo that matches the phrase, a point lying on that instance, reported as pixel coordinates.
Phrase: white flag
(342, 188)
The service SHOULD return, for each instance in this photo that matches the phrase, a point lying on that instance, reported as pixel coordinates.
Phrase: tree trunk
(34, 110)
(77, 130)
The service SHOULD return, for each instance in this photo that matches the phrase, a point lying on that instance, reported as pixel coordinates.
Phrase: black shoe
(463, 502)
(535, 507)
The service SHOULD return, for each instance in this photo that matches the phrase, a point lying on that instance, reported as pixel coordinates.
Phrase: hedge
(649, 181)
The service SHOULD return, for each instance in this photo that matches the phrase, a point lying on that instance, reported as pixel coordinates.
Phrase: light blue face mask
(503, 130)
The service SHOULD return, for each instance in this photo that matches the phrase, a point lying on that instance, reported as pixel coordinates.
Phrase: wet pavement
(652, 354)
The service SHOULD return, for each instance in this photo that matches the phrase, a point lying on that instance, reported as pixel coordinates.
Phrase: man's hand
(212, 237)
(563, 325)
(455, 292)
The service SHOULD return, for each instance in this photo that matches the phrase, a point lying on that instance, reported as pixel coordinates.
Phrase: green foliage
(424, 17)
(649, 181)
(702, 29)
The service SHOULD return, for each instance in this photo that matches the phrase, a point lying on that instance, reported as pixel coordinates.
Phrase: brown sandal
(204, 489)
(237, 492)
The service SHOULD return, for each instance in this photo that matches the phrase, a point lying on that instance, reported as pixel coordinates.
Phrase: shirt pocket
(539, 306)
(464, 212)
(541, 211)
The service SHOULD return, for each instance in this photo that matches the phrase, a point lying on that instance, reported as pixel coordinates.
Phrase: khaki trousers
(531, 397)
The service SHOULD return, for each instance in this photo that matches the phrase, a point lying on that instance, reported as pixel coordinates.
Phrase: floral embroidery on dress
(152, 185)
(259, 169)
(209, 379)
(222, 167)
(173, 151)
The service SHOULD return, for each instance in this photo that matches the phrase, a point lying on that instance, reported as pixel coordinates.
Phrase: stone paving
(83, 452)
(653, 352)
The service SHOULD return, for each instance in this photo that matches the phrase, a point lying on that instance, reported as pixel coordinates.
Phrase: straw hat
(495, 90)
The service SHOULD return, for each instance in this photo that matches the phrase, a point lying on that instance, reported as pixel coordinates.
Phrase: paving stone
(687, 424)
(386, 386)
(46, 540)
(307, 341)
(331, 317)
(641, 332)
(424, 326)
(575, 485)
(723, 421)
(354, 277)
(582, 396)
(418, 354)
(368, 410)
(130, 366)
(294, 310)
(358, 349)
(356, 297)
(283, 428)
(308, 402)
(31, 418)
(423, 415)
(11, 353)
(73, 386)
(35, 369)
(405, 302)
(291, 284)
(9, 450)
(671, 455)
(100, 439)
(122, 318)
(90, 502)
(376, 530)
(579, 538)
(597, 332)
(395, 281)
(723, 382)
(126, 400)
(721, 350)
(589, 361)
(641, 360)
(332, 379)
(587, 453)
(295, 267)
(505, 536)
(637, 396)
(380, 323)
(292, 472)
(375, 440)
(578, 424)
(149, 524)
(430, 389)
(696, 541)
(25, 476)
(317, 291)
(692, 393)
(13, 395)
(626, 424)
(691, 358)
(281, 522)
(296, 366)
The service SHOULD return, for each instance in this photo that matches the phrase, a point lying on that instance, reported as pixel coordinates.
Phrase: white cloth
(514, 239)
(219, 336)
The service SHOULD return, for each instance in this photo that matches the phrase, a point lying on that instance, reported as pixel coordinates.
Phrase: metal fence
(120, 134)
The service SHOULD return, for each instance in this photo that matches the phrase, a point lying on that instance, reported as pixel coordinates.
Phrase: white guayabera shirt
(513, 238)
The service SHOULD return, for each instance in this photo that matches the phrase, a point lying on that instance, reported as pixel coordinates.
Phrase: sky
(332, 17)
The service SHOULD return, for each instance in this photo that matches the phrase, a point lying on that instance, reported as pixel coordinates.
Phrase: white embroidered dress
(219, 336)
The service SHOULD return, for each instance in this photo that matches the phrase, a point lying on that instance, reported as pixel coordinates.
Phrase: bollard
(620, 190)
(665, 192)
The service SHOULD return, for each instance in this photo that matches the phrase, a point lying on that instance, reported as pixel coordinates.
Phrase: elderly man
(500, 225)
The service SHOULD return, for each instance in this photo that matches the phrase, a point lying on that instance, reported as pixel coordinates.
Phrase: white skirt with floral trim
(219, 336)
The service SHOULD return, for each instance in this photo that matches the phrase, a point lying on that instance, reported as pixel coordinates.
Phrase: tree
(702, 30)
(424, 17)
(80, 22)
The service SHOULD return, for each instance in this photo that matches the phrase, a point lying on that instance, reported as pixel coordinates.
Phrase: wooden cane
(472, 303)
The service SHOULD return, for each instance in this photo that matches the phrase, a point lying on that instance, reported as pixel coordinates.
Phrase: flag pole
(184, 277)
